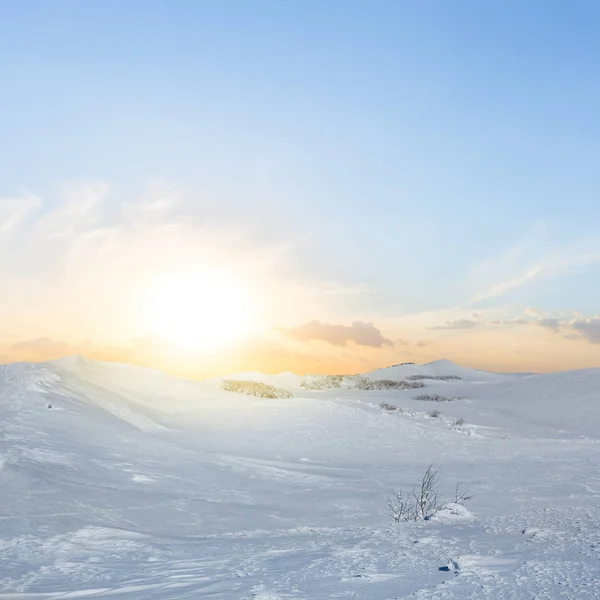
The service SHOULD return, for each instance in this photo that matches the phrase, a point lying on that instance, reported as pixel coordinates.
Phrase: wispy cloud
(333, 288)
(459, 324)
(44, 348)
(574, 329)
(551, 324)
(81, 261)
(534, 258)
(13, 210)
(503, 287)
(81, 197)
(510, 322)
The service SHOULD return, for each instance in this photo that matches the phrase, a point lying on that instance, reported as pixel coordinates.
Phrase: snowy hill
(138, 485)
(435, 369)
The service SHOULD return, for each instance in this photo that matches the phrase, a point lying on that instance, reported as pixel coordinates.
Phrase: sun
(199, 310)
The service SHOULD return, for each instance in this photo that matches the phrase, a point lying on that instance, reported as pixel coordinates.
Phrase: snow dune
(138, 485)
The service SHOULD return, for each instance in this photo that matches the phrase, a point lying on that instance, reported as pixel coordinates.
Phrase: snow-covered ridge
(554, 405)
(436, 368)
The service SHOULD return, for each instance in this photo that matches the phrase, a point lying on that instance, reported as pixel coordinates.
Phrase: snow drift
(135, 484)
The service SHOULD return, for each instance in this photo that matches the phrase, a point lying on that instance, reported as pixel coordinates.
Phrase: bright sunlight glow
(199, 310)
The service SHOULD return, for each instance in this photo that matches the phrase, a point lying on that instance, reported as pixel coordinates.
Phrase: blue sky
(428, 152)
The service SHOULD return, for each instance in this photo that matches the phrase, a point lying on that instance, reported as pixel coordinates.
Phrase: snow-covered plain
(137, 485)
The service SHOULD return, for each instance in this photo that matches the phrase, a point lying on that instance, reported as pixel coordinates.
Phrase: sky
(218, 186)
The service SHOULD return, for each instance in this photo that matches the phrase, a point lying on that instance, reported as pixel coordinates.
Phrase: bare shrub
(434, 414)
(359, 382)
(422, 502)
(325, 382)
(401, 507)
(255, 388)
(458, 423)
(461, 497)
(388, 407)
(364, 383)
(426, 495)
(352, 379)
(436, 377)
(437, 398)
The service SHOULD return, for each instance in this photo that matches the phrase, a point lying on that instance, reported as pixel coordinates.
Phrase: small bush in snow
(364, 383)
(388, 407)
(434, 414)
(422, 502)
(325, 382)
(461, 497)
(436, 377)
(359, 382)
(255, 388)
(355, 381)
(458, 423)
(436, 398)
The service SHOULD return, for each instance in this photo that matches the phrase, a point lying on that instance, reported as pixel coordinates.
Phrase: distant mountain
(438, 368)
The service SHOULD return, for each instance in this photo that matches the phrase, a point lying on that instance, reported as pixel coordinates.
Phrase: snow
(138, 485)
(436, 368)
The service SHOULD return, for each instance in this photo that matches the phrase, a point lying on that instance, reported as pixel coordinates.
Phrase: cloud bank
(359, 333)
(459, 324)
(588, 329)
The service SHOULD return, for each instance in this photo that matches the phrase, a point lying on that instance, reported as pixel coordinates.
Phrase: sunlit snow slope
(137, 485)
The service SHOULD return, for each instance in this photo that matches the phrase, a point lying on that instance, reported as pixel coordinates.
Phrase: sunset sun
(199, 310)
